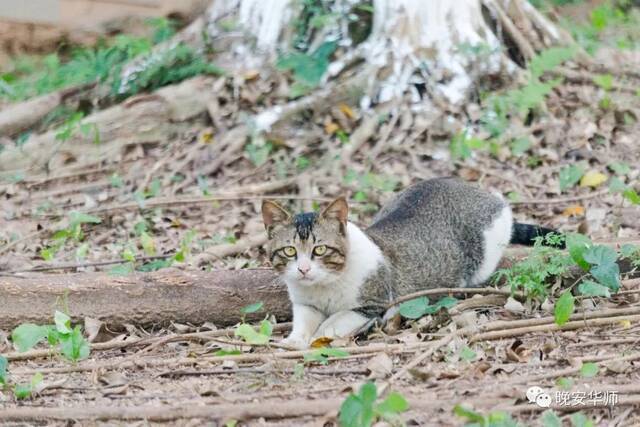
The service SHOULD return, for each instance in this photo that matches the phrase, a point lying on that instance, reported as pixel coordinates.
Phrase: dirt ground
(485, 358)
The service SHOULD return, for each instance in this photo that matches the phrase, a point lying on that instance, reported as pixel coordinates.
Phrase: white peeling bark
(263, 20)
(419, 42)
(443, 46)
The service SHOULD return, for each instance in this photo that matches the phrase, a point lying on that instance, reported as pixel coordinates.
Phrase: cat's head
(309, 248)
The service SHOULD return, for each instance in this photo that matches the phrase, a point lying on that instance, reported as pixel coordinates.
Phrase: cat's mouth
(306, 280)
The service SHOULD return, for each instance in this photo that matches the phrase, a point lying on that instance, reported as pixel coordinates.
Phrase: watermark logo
(538, 396)
(544, 399)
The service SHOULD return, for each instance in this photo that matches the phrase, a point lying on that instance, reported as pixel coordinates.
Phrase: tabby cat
(437, 233)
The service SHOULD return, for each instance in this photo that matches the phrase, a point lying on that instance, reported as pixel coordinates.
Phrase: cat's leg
(341, 324)
(306, 320)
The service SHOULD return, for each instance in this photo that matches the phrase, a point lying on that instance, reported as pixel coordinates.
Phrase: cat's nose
(304, 269)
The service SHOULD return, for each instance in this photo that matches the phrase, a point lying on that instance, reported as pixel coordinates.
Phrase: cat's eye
(289, 251)
(320, 250)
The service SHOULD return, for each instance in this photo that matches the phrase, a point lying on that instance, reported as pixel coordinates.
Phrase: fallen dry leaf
(593, 179)
(251, 75)
(617, 366)
(331, 128)
(92, 328)
(347, 110)
(206, 136)
(626, 324)
(380, 366)
(514, 306)
(576, 210)
(321, 342)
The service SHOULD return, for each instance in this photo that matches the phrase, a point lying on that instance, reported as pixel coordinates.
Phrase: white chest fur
(341, 291)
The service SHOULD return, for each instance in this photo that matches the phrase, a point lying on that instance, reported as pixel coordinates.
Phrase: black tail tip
(527, 234)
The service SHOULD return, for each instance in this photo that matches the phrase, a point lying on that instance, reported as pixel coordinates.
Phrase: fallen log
(141, 119)
(144, 298)
(166, 296)
(21, 116)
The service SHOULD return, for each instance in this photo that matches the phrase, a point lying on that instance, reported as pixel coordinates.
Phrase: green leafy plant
(322, 355)
(258, 153)
(368, 183)
(467, 354)
(86, 65)
(550, 419)
(73, 125)
(578, 419)
(3, 371)
(69, 340)
(105, 63)
(248, 333)
(24, 391)
(72, 232)
(154, 189)
(564, 307)
(172, 65)
(476, 419)
(462, 145)
(518, 102)
(307, 69)
(252, 308)
(418, 307)
(589, 370)
(632, 253)
(534, 274)
(251, 336)
(570, 175)
(564, 383)
(599, 260)
(361, 410)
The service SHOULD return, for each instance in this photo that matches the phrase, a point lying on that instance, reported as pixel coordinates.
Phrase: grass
(104, 63)
(612, 24)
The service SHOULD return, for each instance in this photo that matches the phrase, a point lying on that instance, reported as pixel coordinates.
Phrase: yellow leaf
(206, 136)
(347, 111)
(250, 75)
(592, 179)
(576, 210)
(331, 128)
(625, 323)
(321, 342)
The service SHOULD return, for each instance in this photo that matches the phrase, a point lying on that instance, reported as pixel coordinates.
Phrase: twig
(240, 358)
(254, 370)
(87, 264)
(226, 249)
(623, 401)
(560, 200)
(452, 291)
(290, 409)
(306, 192)
(419, 358)
(238, 193)
(530, 379)
(578, 324)
(361, 135)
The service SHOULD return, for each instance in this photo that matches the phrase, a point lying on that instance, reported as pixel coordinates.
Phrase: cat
(441, 232)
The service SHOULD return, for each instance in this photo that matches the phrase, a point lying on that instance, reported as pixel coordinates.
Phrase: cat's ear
(273, 214)
(337, 210)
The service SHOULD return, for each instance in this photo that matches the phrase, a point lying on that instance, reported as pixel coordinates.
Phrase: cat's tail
(526, 234)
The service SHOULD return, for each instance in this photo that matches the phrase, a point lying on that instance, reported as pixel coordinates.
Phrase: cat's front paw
(298, 342)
